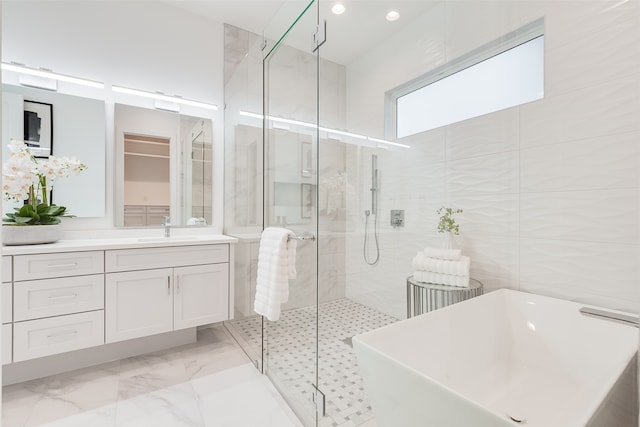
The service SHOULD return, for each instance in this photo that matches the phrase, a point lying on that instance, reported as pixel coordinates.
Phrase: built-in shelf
(146, 146)
(145, 141)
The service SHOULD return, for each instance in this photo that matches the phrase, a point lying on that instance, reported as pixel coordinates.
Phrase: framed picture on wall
(306, 159)
(306, 200)
(38, 128)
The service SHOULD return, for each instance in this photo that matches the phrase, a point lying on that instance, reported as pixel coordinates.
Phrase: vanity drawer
(44, 337)
(44, 266)
(7, 273)
(7, 306)
(53, 297)
(142, 259)
(7, 342)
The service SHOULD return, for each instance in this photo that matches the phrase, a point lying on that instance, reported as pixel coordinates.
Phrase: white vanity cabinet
(139, 303)
(201, 295)
(141, 299)
(77, 303)
(7, 310)
(58, 303)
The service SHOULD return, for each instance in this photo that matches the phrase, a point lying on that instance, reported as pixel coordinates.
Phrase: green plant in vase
(447, 224)
(28, 179)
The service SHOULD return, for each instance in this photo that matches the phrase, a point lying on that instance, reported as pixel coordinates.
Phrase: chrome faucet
(166, 223)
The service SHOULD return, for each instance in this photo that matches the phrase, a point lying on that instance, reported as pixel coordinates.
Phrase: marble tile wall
(292, 90)
(550, 189)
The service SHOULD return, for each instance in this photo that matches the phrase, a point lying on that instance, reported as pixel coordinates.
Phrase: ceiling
(252, 15)
(358, 29)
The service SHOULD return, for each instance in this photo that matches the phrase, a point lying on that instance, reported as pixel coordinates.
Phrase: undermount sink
(168, 239)
(506, 358)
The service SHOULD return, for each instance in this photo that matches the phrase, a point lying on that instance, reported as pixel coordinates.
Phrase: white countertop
(73, 245)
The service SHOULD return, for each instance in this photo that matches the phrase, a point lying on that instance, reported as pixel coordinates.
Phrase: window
(502, 74)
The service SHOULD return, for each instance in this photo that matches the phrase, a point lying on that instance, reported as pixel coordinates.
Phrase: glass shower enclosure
(310, 146)
(290, 185)
(291, 162)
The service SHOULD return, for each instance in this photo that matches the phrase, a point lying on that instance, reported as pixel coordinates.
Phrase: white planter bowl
(30, 234)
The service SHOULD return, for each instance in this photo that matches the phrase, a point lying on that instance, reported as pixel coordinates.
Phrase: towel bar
(304, 237)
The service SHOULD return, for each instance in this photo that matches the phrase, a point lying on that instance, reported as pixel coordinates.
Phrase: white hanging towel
(276, 265)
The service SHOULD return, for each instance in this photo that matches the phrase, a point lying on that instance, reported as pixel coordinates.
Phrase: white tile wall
(590, 216)
(582, 164)
(493, 133)
(609, 53)
(550, 190)
(601, 273)
(491, 174)
(545, 187)
(604, 109)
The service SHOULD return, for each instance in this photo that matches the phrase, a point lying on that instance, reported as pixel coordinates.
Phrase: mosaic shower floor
(292, 352)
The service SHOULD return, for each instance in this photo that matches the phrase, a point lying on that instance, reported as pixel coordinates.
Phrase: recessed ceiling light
(338, 9)
(392, 15)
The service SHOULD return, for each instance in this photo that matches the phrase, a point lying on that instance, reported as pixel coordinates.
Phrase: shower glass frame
(279, 189)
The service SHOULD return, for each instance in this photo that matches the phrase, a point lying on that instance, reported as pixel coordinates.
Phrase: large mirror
(163, 167)
(74, 127)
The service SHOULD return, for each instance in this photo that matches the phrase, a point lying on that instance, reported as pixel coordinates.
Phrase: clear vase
(448, 242)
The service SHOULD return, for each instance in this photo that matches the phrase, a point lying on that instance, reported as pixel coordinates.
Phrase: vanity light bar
(323, 129)
(163, 97)
(19, 68)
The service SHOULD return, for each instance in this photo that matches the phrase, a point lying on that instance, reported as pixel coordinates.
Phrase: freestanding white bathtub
(506, 358)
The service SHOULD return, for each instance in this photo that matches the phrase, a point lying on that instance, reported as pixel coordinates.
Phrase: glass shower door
(290, 187)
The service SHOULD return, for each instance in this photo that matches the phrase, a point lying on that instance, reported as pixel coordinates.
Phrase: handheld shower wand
(374, 184)
(374, 212)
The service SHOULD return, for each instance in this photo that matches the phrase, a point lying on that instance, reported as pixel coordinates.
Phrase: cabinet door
(7, 343)
(63, 264)
(138, 303)
(7, 269)
(36, 299)
(7, 303)
(172, 256)
(59, 334)
(201, 295)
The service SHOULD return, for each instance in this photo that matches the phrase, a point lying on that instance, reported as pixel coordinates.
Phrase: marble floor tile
(241, 397)
(208, 383)
(17, 404)
(155, 371)
(100, 417)
(73, 393)
(216, 351)
(174, 406)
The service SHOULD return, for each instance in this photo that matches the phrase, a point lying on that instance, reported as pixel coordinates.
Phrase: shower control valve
(397, 218)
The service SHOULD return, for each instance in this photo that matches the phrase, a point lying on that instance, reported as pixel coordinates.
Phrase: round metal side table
(423, 297)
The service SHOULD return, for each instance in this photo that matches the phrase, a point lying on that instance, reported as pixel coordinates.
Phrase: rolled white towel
(441, 279)
(450, 254)
(455, 268)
